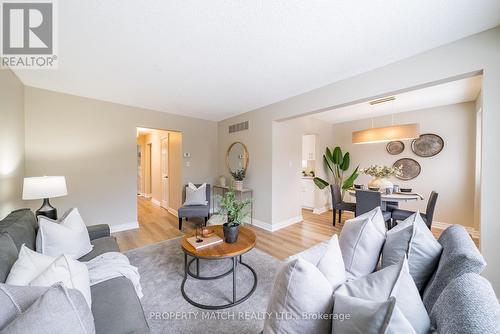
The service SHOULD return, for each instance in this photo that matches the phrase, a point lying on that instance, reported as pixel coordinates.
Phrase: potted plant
(380, 176)
(239, 176)
(337, 163)
(235, 211)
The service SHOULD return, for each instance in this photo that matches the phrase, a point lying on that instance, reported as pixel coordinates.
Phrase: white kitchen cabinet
(308, 147)
(307, 193)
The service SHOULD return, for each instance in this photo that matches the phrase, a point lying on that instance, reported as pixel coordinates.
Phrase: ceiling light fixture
(387, 133)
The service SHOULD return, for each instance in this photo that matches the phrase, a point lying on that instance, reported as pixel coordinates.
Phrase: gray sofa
(115, 305)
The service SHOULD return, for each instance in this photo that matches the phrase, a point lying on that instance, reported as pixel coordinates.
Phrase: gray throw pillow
(392, 281)
(468, 305)
(8, 255)
(56, 311)
(460, 256)
(413, 238)
(353, 315)
(301, 301)
(196, 196)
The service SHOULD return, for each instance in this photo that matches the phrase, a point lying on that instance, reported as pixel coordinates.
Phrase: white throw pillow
(68, 235)
(72, 273)
(29, 264)
(413, 238)
(196, 196)
(327, 257)
(361, 241)
(353, 315)
(393, 281)
(32, 268)
(301, 294)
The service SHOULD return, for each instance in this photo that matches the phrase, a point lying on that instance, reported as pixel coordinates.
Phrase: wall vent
(238, 127)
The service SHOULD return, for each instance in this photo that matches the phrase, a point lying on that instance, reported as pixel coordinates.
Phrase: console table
(240, 193)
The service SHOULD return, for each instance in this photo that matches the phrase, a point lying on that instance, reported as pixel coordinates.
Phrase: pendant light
(387, 133)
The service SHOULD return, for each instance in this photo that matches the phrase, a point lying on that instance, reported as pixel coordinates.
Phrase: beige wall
(469, 55)
(450, 173)
(287, 165)
(11, 142)
(93, 143)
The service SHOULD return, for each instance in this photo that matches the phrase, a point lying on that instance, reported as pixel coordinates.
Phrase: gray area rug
(162, 269)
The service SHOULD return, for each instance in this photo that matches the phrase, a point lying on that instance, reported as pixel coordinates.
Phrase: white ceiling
(214, 59)
(458, 91)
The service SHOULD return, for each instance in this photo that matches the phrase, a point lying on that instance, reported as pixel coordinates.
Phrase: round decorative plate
(427, 145)
(395, 147)
(410, 168)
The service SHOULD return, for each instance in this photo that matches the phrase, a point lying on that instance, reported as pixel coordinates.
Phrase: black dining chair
(367, 200)
(339, 204)
(400, 214)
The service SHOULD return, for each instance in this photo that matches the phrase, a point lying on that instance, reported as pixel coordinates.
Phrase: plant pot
(380, 182)
(238, 185)
(231, 233)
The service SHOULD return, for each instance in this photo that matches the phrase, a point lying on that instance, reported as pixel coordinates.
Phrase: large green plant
(337, 163)
(235, 210)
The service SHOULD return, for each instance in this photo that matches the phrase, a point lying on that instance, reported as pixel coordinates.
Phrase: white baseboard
(277, 226)
(155, 201)
(146, 195)
(123, 227)
(321, 210)
(174, 212)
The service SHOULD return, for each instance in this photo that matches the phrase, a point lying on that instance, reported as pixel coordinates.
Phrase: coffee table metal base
(187, 271)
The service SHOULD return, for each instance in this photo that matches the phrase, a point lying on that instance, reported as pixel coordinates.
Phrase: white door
(164, 172)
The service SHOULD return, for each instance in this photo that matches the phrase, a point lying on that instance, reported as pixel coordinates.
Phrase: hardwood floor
(157, 224)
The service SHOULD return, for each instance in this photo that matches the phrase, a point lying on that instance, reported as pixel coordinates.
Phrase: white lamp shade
(385, 134)
(44, 187)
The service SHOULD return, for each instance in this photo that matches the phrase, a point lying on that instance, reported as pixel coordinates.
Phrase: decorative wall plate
(395, 147)
(427, 145)
(410, 168)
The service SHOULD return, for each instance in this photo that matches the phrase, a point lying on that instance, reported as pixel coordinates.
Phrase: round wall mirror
(237, 157)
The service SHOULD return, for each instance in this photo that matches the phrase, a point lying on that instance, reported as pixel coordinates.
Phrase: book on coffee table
(205, 242)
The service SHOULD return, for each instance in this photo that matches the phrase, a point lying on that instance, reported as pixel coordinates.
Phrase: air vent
(238, 127)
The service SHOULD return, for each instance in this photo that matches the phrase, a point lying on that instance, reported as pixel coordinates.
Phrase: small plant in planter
(239, 176)
(235, 212)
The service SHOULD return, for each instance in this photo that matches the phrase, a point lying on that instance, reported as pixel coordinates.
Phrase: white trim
(123, 227)
(443, 226)
(146, 195)
(277, 226)
(155, 201)
(323, 209)
(173, 211)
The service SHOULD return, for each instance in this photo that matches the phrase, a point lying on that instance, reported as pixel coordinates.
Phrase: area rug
(161, 267)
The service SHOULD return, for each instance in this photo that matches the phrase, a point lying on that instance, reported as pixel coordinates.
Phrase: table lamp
(44, 187)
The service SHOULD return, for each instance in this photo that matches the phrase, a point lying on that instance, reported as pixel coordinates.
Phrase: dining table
(393, 197)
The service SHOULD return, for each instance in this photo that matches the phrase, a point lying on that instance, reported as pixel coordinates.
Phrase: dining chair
(367, 200)
(400, 214)
(339, 204)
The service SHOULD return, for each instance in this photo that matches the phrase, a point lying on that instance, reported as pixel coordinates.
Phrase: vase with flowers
(380, 176)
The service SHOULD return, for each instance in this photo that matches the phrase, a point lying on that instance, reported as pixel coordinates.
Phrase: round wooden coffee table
(246, 242)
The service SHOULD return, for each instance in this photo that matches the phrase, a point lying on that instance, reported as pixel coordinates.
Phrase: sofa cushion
(368, 317)
(116, 307)
(327, 257)
(460, 256)
(17, 299)
(467, 306)
(299, 288)
(21, 225)
(8, 255)
(361, 241)
(413, 238)
(101, 246)
(56, 311)
(392, 281)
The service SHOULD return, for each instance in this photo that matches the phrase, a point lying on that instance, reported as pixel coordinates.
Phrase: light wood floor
(157, 224)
